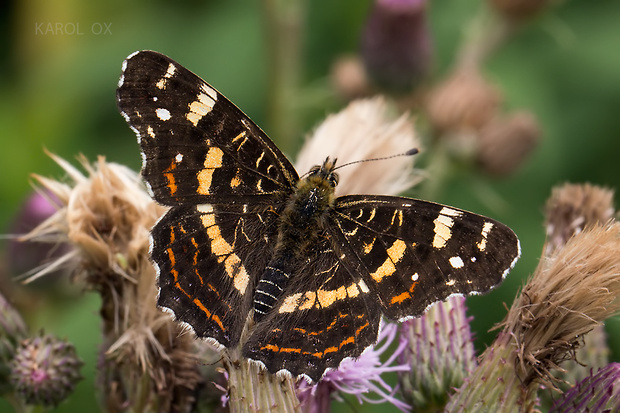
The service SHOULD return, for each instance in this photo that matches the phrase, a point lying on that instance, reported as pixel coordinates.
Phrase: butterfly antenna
(410, 152)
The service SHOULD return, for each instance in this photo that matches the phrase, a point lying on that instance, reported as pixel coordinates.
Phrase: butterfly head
(324, 172)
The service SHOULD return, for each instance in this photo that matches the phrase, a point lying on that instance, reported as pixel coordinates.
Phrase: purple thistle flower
(27, 255)
(598, 393)
(359, 377)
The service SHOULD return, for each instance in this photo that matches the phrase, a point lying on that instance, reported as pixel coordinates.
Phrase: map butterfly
(248, 244)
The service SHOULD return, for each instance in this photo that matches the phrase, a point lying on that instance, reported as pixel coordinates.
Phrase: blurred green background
(58, 93)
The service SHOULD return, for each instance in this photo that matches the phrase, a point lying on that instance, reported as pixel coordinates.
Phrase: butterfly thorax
(301, 228)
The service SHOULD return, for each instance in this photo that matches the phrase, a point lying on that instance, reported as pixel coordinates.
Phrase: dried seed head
(505, 142)
(571, 208)
(568, 295)
(462, 102)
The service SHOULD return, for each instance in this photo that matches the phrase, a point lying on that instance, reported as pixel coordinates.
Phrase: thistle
(599, 392)
(396, 47)
(45, 370)
(12, 331)
(440, 351)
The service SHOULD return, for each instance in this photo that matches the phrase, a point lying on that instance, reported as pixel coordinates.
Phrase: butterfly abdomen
(300, 229)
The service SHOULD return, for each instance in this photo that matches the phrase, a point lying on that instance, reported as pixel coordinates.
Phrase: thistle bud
(440, 351)
(45, 370)
(12, 331)
(396, 46)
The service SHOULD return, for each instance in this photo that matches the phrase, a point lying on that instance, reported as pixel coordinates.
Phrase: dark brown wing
(198, 147)
(412, 253)
(324, 315)
(209, 262)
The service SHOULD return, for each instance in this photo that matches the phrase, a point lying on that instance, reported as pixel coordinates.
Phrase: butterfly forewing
(413, 253)
(198, 147)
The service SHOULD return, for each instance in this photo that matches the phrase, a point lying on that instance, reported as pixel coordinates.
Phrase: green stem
(19, 405)
(283, 20)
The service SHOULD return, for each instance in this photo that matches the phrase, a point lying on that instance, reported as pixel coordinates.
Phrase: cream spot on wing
(353, 290)
(456, 262)
(395, 254)
(290, 303)
(450, 212)
(163, 114)
(260, 158)
(161, 84)
(486, 228)
(204, 103)
(397, 250)
(363, 286)
(443, 232)
(352, 233)
(309, 300)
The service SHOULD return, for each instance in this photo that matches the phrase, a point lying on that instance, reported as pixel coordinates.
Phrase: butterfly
(248, 244)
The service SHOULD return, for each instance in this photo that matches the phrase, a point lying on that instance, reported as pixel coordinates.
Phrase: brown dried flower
(147, 361)
(571, 208)
(566, 298)
(462, 102)
(505, 142)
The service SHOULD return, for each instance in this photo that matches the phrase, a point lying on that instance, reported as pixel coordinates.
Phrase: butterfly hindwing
(324, 315)
(209, 261)
(198, 147)
(413, 253)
